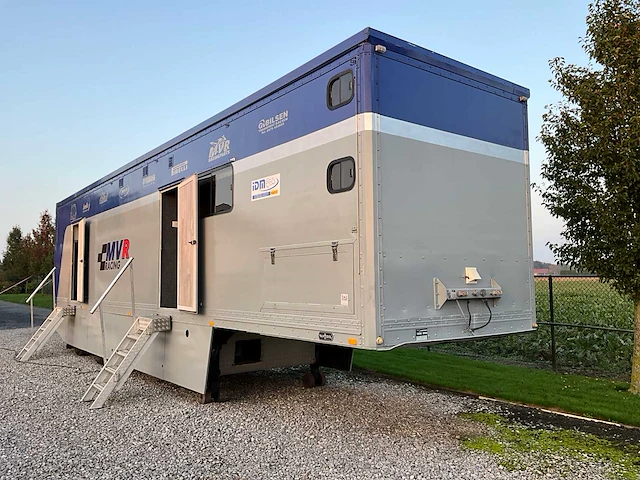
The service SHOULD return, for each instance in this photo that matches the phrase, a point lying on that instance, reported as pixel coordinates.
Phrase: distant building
(542, 271)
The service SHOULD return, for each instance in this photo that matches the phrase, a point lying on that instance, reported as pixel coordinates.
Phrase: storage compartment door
(188, 244)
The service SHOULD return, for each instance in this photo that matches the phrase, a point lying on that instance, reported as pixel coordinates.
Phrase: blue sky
(85, 87)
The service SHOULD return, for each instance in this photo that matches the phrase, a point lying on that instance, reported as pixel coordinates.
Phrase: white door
(188, 244)
(81, 272)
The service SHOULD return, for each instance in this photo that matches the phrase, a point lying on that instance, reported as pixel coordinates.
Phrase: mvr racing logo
(113, 253)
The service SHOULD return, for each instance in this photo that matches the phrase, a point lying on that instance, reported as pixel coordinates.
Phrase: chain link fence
(583, 326)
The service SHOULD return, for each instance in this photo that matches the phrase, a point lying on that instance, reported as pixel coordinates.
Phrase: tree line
(28, 254)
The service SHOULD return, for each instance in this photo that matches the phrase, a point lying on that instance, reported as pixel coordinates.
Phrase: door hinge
(334, 247)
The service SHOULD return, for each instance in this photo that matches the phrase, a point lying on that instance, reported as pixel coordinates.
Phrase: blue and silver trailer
(376, 196)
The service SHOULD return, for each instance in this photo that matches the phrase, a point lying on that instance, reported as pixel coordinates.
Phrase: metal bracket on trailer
(441, 293)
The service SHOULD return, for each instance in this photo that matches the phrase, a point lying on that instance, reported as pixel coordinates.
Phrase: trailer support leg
(218, 339)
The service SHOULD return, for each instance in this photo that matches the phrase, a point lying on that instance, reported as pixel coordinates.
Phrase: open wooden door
(81, 275)
(188, 244)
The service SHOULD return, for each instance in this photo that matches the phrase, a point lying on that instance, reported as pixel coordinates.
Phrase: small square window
(340, 90)
(341, 175)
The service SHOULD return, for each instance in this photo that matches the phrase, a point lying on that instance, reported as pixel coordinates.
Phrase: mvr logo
(112, 253)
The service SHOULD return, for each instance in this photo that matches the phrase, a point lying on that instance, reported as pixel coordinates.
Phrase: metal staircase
(124, 358)
(43, 334)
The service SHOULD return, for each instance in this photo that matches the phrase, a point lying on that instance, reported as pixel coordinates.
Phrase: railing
(15, 284)
(42, 284)
(98, 304)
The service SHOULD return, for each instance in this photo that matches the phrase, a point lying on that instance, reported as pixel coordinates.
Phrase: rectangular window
(341, 175)
(215, 192)
(340, 90)
(145, 170)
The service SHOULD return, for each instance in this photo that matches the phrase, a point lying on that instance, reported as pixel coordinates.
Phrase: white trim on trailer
(379, 123)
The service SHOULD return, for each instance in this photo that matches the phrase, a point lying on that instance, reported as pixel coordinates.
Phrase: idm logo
(265, 187)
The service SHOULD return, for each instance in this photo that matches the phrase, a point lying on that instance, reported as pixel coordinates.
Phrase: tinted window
(341, 175)
(340, 90)
(215, 192)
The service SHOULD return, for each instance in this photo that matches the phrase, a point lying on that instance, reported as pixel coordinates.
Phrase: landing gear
(218, 339)
(314, 378)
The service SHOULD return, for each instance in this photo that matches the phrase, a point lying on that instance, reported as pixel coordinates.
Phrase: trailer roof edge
(368, 35)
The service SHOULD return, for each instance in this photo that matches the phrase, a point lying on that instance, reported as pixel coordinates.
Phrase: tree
(592, 169)
(15, 262)
(41, 246)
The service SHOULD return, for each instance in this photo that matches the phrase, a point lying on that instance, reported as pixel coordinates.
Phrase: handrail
(113, 282)
(15, 284)
(41, 285)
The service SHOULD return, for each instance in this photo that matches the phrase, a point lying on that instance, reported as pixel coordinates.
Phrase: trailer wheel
(323, 380)
(308, 380)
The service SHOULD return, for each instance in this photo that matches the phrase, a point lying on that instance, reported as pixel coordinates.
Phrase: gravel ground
(16, 315)
(267, 426)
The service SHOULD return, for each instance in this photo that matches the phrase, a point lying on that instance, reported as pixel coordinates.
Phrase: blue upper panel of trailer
(295, 105)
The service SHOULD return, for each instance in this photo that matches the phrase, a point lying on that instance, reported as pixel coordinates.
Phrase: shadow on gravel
(16, 315)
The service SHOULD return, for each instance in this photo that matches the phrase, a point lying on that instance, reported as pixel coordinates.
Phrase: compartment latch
(334, 248)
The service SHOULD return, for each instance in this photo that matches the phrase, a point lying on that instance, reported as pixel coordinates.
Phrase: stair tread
(98, 386)
(110, 370)
(122, 353)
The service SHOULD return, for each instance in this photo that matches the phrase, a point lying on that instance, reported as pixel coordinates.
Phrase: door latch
(273, 256)
(193, 242)
(334, 247)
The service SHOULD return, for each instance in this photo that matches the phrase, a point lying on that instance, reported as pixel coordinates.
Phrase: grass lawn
(592, 397)
(40, 300)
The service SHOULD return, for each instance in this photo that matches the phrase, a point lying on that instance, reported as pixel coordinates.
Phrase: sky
(86, 87)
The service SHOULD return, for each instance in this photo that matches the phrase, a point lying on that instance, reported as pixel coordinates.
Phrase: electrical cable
(469, 312)
(488, 321)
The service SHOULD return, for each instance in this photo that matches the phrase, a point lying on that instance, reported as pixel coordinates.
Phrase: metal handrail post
(98, 304)
(133, 298)
(31, 313)
(55, 300)
(113, 282)
(104, 341)
(41, 285)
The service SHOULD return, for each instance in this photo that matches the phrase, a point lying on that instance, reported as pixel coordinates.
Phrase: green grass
(593, 397)
(39, 300)
(519, 446)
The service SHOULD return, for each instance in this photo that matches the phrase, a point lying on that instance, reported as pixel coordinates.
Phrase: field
(576, 300)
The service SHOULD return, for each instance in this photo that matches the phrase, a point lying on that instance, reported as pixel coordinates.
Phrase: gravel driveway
(16, 315)
(268, 426)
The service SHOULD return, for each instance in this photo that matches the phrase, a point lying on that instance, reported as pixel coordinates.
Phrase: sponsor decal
(266, 187)
(112, 254)
(220, 148)
(103, 198)
(148, 180)
(422, 334)
(179, 168)
(268, 124)
(74, 212)
(124, 191)
(86, 206)
(326, 336)
(344, 299)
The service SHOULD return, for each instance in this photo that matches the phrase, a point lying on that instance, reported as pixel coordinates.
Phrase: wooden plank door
(188, 244)
(81, 264)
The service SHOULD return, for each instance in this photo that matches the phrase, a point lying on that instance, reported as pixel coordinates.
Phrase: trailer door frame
(188, 244)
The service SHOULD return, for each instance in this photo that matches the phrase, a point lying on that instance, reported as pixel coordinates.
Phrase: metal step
(43, 334)
(123, 360)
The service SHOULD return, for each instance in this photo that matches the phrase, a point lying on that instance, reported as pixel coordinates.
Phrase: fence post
(552, 321)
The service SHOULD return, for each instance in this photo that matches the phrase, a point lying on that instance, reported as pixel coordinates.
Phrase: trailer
(376, 196)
